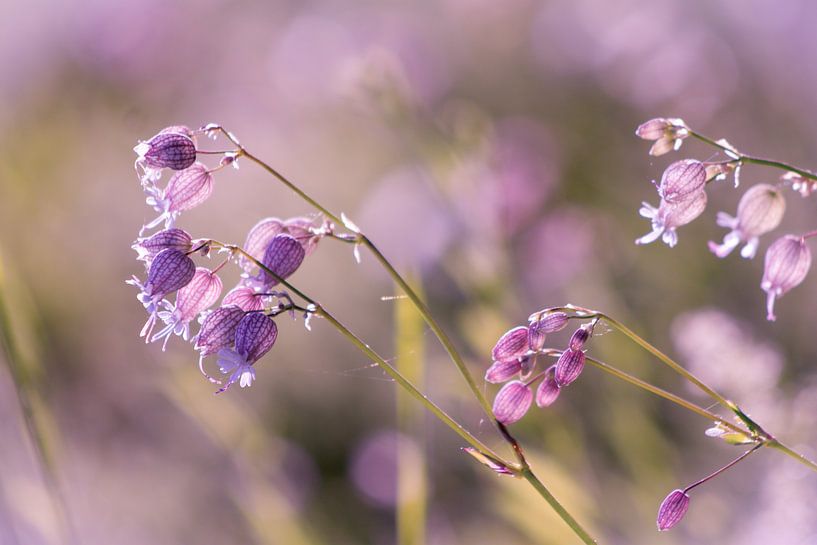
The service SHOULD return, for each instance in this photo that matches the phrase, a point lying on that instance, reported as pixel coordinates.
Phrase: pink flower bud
(672, 510)
(667, 133)
(668, 217)
(185, 190)
(283, 256)
(759, 211)
(254, 336)
(548, 390)
(569, 366)
(511, 345)
(258, 239)
(197, 296)
(540, 325)
(578, 338)
(218, 330)
(243, 297)
(167, 150)
(682, 180)
(788, 260)
(169, 271)
(512, 402)
(500, 371)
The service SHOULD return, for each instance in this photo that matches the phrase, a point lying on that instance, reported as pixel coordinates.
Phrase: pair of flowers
(515, 355)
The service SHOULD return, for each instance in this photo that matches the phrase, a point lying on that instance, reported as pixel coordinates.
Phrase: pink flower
(759, 211)
(672, 510)
(667, 133)
(682, 180)
(185, 190)
(512, 402)
(787, 263)
(668, 217)
(197, 296)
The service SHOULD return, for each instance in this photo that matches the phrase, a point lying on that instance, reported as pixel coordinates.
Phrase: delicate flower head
(197, 296)
(254, 337)
(511, 345)
(759, 211)
(185, 190)
(672, 510)
(148, 248)
(668, 217)
(788, 260)
(169, 271)
(682, 180)
(569, 366)
(512, 402)
(244, 297)
(667, 133)
(548, 389)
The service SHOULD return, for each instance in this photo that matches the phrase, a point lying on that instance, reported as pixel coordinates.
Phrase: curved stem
(755, 160)
(577, 528)
(396, 277)
(724, 468)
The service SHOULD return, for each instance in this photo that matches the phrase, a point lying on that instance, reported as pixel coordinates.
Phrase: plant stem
(755, 160)
(775, 444)
(724, 468)
(396, 277)
(577, 528)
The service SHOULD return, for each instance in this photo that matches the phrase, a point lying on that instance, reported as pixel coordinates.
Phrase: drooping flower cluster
(241, 330)
(515, 358)
(761, 208)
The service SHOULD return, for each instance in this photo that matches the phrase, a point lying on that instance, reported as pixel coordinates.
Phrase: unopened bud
(672, 510)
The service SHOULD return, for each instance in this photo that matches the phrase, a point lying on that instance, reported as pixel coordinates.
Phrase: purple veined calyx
(244, 297)
(682, 180)
(569, 366)
(548, 390)
(512, 402)
(282, 256)
(185, 190)
(760, 210)
(668, 217)
(672, 510)
(254, 336)
(511, 345)
(217, 332)
(787, 263)
(167, 149)
(148, 248)
(170, 271)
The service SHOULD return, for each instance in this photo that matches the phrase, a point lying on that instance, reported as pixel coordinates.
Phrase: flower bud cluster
(241, 330)
(514, 361)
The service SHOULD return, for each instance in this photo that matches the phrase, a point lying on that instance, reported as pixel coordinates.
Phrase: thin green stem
(754, 160)
(396, 277)
(724, 468)
(775, 444)
(577, 528)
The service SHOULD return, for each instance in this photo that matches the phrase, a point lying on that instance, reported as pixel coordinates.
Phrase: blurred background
(488, 148)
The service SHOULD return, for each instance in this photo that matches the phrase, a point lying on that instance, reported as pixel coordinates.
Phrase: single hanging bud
(283, 257)
(254, 336)
(148, 248)
(512, 402)
(760, 210)
(511, 345)
(578, 338)
(682, 180)
(672, 510)
(171, 150)
(668, 217)
(788, 260)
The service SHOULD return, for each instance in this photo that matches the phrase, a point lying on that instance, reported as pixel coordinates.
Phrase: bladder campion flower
(217, 332)
(148, 247)
(186, 190)
(512, 402)
(682, 180)
(283, 256)
(511, 345)
(549, 389)
(254, 337)
(569, 366)
(787, 263)
(668, 217)
(760, 210)
(244, 297)
(197, 296)
(667, 133)
(167, 149)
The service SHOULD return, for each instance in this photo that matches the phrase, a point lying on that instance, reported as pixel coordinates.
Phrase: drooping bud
(682, 180)
(254, 337)
(760, 210)
(171, 150)
(569, 366)
(243, 297)
(511, 345)
(787, 263)
(512, 402)
(668, 217)
(170, 270)
(672, 510)
(578, 338)
(548, 390)
(500, 371)
(149, 247)
(667, 133)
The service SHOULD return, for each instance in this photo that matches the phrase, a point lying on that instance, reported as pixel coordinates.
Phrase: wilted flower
(569, 366)
(512, 402)
(197, 296)
(167, 149)
(169, 271)
(759, 211)
(668, 217)
(682, 180)
(672, 509)
(254, 337)
(511, 345)
(788, 260)
(667, 133)
(148, 247)
(549, 389)
(185, 190)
